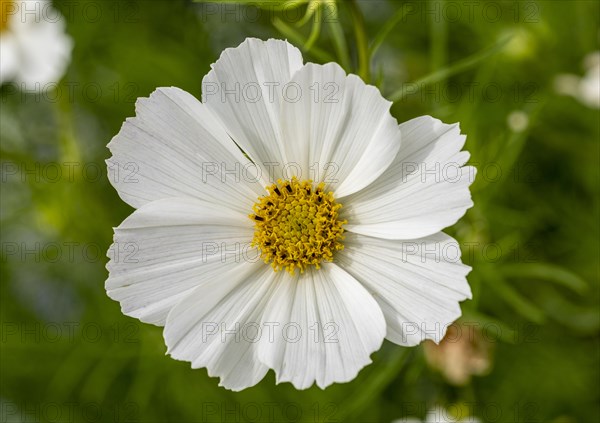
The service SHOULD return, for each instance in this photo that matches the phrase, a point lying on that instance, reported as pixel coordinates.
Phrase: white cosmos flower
(34, 48)
(183, 259)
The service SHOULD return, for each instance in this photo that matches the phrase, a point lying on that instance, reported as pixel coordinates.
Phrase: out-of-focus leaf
(494, 280)
(547, 272)
(374, 385)
(453, 69)
(581, 319)
(490, 325)
(386, 29)
(277, 5)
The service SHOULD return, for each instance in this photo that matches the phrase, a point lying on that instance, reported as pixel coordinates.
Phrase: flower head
(297, 225)
(34, 48)
(586, 89)
(287, 221)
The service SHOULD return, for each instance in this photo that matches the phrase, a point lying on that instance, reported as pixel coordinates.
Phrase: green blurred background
(69, 354)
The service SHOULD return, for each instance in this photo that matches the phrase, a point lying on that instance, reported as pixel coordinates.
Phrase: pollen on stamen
(297, 226)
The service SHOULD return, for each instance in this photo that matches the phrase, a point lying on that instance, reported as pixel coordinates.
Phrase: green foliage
(531, 238)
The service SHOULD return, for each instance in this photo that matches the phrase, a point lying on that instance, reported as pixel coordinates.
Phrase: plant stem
(338, 38)
(361, 40)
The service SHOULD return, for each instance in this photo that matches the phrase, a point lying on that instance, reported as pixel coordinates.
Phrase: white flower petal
(9, 57)
(217, 325)
(244, 89)
(589, 87)
(175, 147)
(340, 131)
(418, 283)
(167, 248)
(424, 190)
(325, 326)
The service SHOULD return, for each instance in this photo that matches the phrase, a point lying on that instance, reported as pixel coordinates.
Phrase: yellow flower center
(6, 8)
(297, 225)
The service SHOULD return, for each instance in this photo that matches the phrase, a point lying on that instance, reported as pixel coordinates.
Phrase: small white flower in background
(34, 48)
(589, 87)
(439, 414)
(586, 89)
(517, 121)
(303, 252)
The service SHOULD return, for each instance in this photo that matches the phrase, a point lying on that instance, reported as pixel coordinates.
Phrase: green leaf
(386, 29)
(547, 272)
(519, 303)
(501, 331)
(276, 5)
(374, 386)
(509, 154)
(459, 66)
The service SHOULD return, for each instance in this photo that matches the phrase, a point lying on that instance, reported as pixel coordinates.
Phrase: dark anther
(289, 188)
(269, 203)
(320, 197)
(308, 190)
(260, 219)
(277, 191)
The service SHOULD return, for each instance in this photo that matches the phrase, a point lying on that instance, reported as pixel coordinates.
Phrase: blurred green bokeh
(69, 354)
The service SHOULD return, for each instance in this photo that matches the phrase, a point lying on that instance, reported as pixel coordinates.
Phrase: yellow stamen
(297, 226)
